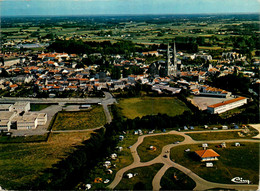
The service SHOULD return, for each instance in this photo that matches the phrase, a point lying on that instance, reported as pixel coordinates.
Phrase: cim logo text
(240, 180)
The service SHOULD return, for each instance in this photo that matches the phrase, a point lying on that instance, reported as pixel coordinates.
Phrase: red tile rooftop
(207, 153)
(227, 102)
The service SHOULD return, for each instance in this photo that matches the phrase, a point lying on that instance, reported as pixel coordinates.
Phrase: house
(207, 155)
(227, 105)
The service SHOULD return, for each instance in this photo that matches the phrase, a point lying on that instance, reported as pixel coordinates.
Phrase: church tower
(175, 67)
(171, 68)
(168, 63)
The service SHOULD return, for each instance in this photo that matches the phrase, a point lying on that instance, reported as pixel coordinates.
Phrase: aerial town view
(129, 95)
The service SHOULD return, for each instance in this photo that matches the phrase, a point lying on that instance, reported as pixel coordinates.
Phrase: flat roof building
(227, 105)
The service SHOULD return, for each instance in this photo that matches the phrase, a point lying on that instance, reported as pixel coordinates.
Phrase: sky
(125, 7)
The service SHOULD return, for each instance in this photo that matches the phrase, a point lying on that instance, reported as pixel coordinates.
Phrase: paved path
(201, 184)
(257, 127)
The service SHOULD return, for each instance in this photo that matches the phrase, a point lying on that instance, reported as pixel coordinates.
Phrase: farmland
(139, 107)
(77, 120)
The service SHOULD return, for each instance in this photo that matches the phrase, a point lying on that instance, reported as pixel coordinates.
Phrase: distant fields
(139, 107)
(77, 120)
(21, 163)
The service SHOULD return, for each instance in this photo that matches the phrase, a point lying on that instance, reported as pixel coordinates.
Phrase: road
(201, 184)
(108, 99)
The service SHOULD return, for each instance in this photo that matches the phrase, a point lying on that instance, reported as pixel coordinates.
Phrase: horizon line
(137, 14)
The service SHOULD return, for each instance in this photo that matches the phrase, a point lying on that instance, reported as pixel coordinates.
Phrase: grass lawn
(159, 142)
(22, 163)
(174, 179)
(143, 181)
(38, 107)
(90, 119)
(233, 162)
(218, 135)
(141, 106)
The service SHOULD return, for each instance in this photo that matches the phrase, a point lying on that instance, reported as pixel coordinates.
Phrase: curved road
(201, 184)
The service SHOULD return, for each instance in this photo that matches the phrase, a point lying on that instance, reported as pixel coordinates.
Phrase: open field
(21, 163)
(90, 119)
(143, 181)
(233, 162)
(159, 142)
(219, 135)
(139, 107)
(174, 179)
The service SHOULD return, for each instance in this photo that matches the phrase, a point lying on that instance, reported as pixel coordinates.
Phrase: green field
(21, 163)
(139, 107)
(143, 181)
(159, 142)
(233, 162)
(218, 135)
(77, 120)
(174, 179)
(38, 107)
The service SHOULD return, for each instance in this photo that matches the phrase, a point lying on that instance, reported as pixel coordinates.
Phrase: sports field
(139, 107)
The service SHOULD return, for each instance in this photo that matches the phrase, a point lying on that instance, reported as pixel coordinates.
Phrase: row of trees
(80, 47)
